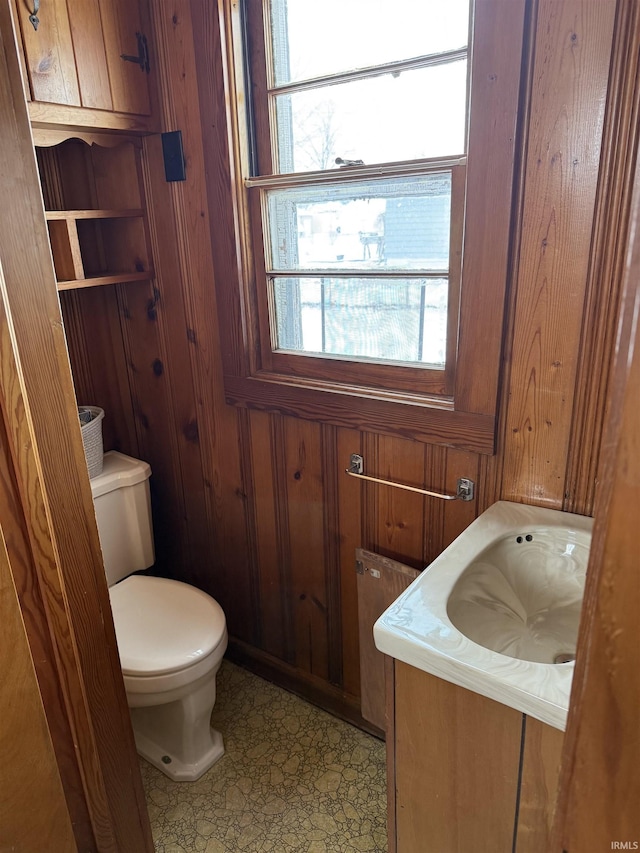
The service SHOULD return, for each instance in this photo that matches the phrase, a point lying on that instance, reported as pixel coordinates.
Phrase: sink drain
(564, 657)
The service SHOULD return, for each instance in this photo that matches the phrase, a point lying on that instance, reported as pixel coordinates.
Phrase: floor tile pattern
(293, 778)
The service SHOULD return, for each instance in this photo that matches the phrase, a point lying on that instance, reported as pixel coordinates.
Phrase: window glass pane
(394, 224)
(311, 39)
(397, 320)
(407, 116)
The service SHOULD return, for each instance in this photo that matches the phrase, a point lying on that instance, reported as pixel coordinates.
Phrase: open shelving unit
(98, 247)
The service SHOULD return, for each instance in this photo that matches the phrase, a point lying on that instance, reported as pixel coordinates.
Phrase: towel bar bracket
(465, 488)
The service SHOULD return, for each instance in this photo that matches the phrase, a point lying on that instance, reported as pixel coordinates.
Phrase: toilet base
(176, 769)
(176, 736)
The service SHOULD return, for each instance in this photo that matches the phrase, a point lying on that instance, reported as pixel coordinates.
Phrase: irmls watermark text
(624, 845)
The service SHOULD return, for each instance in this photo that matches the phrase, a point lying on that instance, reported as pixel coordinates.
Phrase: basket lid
(119, 470)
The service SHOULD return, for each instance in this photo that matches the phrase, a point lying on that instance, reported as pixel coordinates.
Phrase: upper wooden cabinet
(75, 62)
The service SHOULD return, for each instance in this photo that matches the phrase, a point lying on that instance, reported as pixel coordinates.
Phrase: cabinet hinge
(142, 59)
(359, 567)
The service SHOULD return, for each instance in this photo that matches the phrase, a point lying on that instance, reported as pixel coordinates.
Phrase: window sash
(343, 372)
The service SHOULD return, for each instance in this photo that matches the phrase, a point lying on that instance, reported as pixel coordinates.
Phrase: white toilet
(171, 636)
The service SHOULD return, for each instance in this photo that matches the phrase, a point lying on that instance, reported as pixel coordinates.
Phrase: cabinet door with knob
(87, 61)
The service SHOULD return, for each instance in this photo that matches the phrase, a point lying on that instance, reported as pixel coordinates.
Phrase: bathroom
(250, 501)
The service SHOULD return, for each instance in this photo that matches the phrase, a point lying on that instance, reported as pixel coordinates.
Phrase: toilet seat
(168, 633)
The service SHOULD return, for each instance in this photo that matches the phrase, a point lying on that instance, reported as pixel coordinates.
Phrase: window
(379, 182)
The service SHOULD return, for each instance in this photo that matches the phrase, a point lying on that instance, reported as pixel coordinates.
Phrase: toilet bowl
(171, 636)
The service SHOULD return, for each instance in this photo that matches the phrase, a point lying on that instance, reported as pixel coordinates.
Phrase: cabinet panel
(457, 756)
(121, 22)
(49, 53)
(91, 62)
(538, 787)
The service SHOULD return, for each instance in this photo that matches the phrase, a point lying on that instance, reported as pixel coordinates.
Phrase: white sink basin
(498, 611)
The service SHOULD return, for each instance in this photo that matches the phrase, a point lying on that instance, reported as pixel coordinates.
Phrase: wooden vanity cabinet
(465, 772)
(74, 65)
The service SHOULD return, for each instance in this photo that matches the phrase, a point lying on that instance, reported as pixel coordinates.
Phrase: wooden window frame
(458, 408)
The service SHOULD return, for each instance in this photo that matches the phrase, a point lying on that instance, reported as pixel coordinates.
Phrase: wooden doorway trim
(600, 778)
(38, 406)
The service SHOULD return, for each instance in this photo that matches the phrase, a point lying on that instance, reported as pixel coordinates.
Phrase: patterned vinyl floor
(293, 778)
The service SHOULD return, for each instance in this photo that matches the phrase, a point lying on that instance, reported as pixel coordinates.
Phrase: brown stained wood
(49, 53)
(93, 280)
(600, 787)
(456, 767)
(491, 161)
(194, 555)
(33, 812)
(566, 121)
(129, 84)
(432, 425)
(65, 248)
(179, 75)
(380, 581)
(304, 497)
(45, 115)
(538, 786)
(331, 474)
(89, 53)
(52, 477)
(399, 532)
(350, 535)
(611, 222)
(272, 564)
(98, 363)
(390, 751)
(32, 606)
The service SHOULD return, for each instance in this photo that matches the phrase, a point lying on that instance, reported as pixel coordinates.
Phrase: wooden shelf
(56, 215)
(97, 247)
(101, 280)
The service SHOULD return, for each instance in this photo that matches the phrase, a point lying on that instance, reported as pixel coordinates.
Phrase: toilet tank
(123, 512)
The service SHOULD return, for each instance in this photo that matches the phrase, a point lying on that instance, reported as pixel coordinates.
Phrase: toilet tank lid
(119, 470)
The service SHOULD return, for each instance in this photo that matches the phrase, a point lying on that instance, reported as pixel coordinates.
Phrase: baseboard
(326, 696)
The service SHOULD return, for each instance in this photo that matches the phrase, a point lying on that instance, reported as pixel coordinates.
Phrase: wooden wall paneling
(49, 53)
(176, 341)
(121, 21)
(435, 460)
(454, 798)
(99, 363)
(599, 776)
(399, 515)
(272, 551)
(49, 456)
(538, 786)
(152, 406)
(230, 579)
(33, 811)
(305, 512)
(350, 520)
(611, 222)
(331, 527)
(567, 110)
(34, 616)
(90, 57)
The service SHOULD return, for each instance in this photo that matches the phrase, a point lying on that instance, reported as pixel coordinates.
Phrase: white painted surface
(532, 589)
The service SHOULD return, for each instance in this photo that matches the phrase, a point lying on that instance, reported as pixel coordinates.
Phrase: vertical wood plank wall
(262, 515)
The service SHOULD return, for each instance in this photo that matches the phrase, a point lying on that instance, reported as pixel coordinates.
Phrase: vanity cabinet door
(74, 57)
(465, 772)
(457, 756)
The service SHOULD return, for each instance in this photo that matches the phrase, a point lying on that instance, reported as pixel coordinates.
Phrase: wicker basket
(91, 418)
